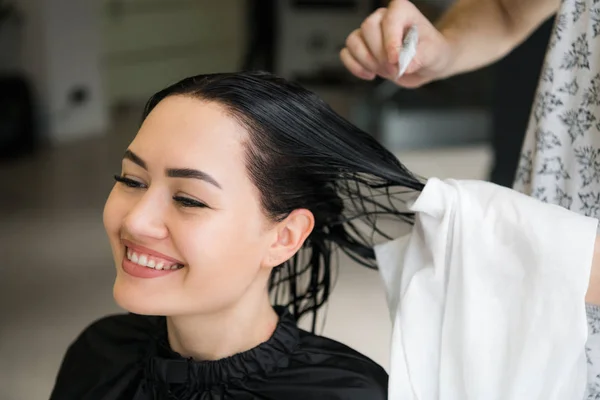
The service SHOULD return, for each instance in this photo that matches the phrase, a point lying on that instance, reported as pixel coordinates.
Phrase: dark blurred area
(74, 76)
(515, 81)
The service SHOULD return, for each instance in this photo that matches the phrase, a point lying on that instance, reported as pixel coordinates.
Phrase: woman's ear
(290, 236)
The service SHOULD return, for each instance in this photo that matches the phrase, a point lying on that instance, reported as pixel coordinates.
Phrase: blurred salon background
(74, 75)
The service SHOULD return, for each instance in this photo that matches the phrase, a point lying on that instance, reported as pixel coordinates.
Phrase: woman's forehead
(189, 126)
(183, 132)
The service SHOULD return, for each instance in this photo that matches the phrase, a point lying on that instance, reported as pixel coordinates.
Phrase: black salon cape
(127, 357)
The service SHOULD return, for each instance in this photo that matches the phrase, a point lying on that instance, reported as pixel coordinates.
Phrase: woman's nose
(147, 218)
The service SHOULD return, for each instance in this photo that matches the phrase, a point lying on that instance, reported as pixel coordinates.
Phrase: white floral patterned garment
(560, 160)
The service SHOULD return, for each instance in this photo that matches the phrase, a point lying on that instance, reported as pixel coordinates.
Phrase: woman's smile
(142, 262)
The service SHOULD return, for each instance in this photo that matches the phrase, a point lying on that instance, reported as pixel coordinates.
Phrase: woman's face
(186, 227)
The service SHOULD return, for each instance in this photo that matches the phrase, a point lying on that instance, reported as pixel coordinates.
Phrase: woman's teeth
(146, 260)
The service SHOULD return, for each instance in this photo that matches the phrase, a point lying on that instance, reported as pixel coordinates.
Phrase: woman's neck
(223, 334)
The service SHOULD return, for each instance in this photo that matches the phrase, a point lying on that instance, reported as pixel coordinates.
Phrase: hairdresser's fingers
(399, 17)
(354, 66)
(372, 35)
(410, 79)
(359, 51)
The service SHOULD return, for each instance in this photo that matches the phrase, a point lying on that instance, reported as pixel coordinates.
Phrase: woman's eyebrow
(174, 172)
(192, 173)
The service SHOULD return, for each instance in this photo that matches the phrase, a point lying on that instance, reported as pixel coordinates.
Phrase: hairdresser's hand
(373, 49)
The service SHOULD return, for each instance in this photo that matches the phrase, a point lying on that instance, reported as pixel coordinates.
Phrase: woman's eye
(187, 202)
(130, 182)
(181, 200)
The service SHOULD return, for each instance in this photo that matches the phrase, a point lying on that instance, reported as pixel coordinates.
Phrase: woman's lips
(141, 250)
(142, 262)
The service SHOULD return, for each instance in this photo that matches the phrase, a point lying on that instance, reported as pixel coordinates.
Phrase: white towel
(487, 296)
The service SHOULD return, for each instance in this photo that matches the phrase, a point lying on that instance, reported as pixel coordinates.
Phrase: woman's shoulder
(104, 348)
(347, 367)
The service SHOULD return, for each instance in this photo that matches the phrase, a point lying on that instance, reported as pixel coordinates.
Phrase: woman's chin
(135, 302)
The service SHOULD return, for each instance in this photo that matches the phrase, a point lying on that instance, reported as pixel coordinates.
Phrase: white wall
(61, 51)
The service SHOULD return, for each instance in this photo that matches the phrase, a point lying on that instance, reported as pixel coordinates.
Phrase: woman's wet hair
(303, 155)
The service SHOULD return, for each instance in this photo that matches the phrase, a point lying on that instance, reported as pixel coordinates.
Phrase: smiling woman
(223, 223)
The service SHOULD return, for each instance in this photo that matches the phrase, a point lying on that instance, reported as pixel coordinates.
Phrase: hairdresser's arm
(481, 32)
(593, 293)
(470, 35)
